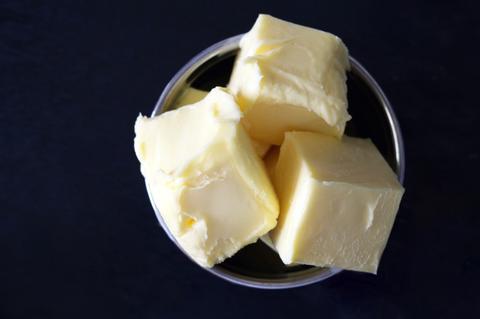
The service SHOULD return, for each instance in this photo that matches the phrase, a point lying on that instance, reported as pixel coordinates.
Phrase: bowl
(256, 265)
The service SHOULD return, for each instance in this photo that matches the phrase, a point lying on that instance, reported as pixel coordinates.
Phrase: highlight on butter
(208, 183)
(290, 77)
(338, 202)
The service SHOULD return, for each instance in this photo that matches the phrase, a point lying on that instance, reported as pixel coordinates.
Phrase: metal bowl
(372, 116)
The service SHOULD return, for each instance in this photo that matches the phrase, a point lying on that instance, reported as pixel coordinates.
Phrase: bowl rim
(307, 277)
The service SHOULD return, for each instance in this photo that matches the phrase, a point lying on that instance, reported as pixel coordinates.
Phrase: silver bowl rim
(306, 277)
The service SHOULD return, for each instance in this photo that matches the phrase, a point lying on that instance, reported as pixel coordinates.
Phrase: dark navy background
(78, 238)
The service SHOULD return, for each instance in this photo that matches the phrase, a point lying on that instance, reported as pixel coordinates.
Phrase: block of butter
(192, 95)
(338, 202)
(210, 187)
(290, 77)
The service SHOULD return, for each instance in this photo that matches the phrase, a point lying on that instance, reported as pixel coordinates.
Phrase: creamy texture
(290, 77)
(338, 202)
(210, 187)
(191, 95)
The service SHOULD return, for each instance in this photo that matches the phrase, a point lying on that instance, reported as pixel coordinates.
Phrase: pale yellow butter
(191, 95)
(210, 187)
(290, 77)
(270, 160)
(261, 148)
(338, 202)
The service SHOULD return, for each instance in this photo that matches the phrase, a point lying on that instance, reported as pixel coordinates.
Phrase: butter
(290, 77)
(210, 187)
(338, 202)
(270, 160)
(191, 95)
(260, 148)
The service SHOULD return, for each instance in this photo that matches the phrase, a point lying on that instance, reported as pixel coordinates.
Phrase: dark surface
(78, 238)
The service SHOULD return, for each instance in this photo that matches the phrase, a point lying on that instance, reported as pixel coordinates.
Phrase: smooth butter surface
(210, 187)
(289, 77)
(338, 202)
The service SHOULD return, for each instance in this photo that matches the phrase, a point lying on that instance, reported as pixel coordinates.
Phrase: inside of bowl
(369, 120)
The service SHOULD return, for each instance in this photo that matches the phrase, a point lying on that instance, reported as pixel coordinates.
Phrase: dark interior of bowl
(369, 119)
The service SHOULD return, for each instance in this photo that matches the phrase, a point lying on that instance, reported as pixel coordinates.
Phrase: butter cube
(210, 187)
(338, 202)
(290, 77)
